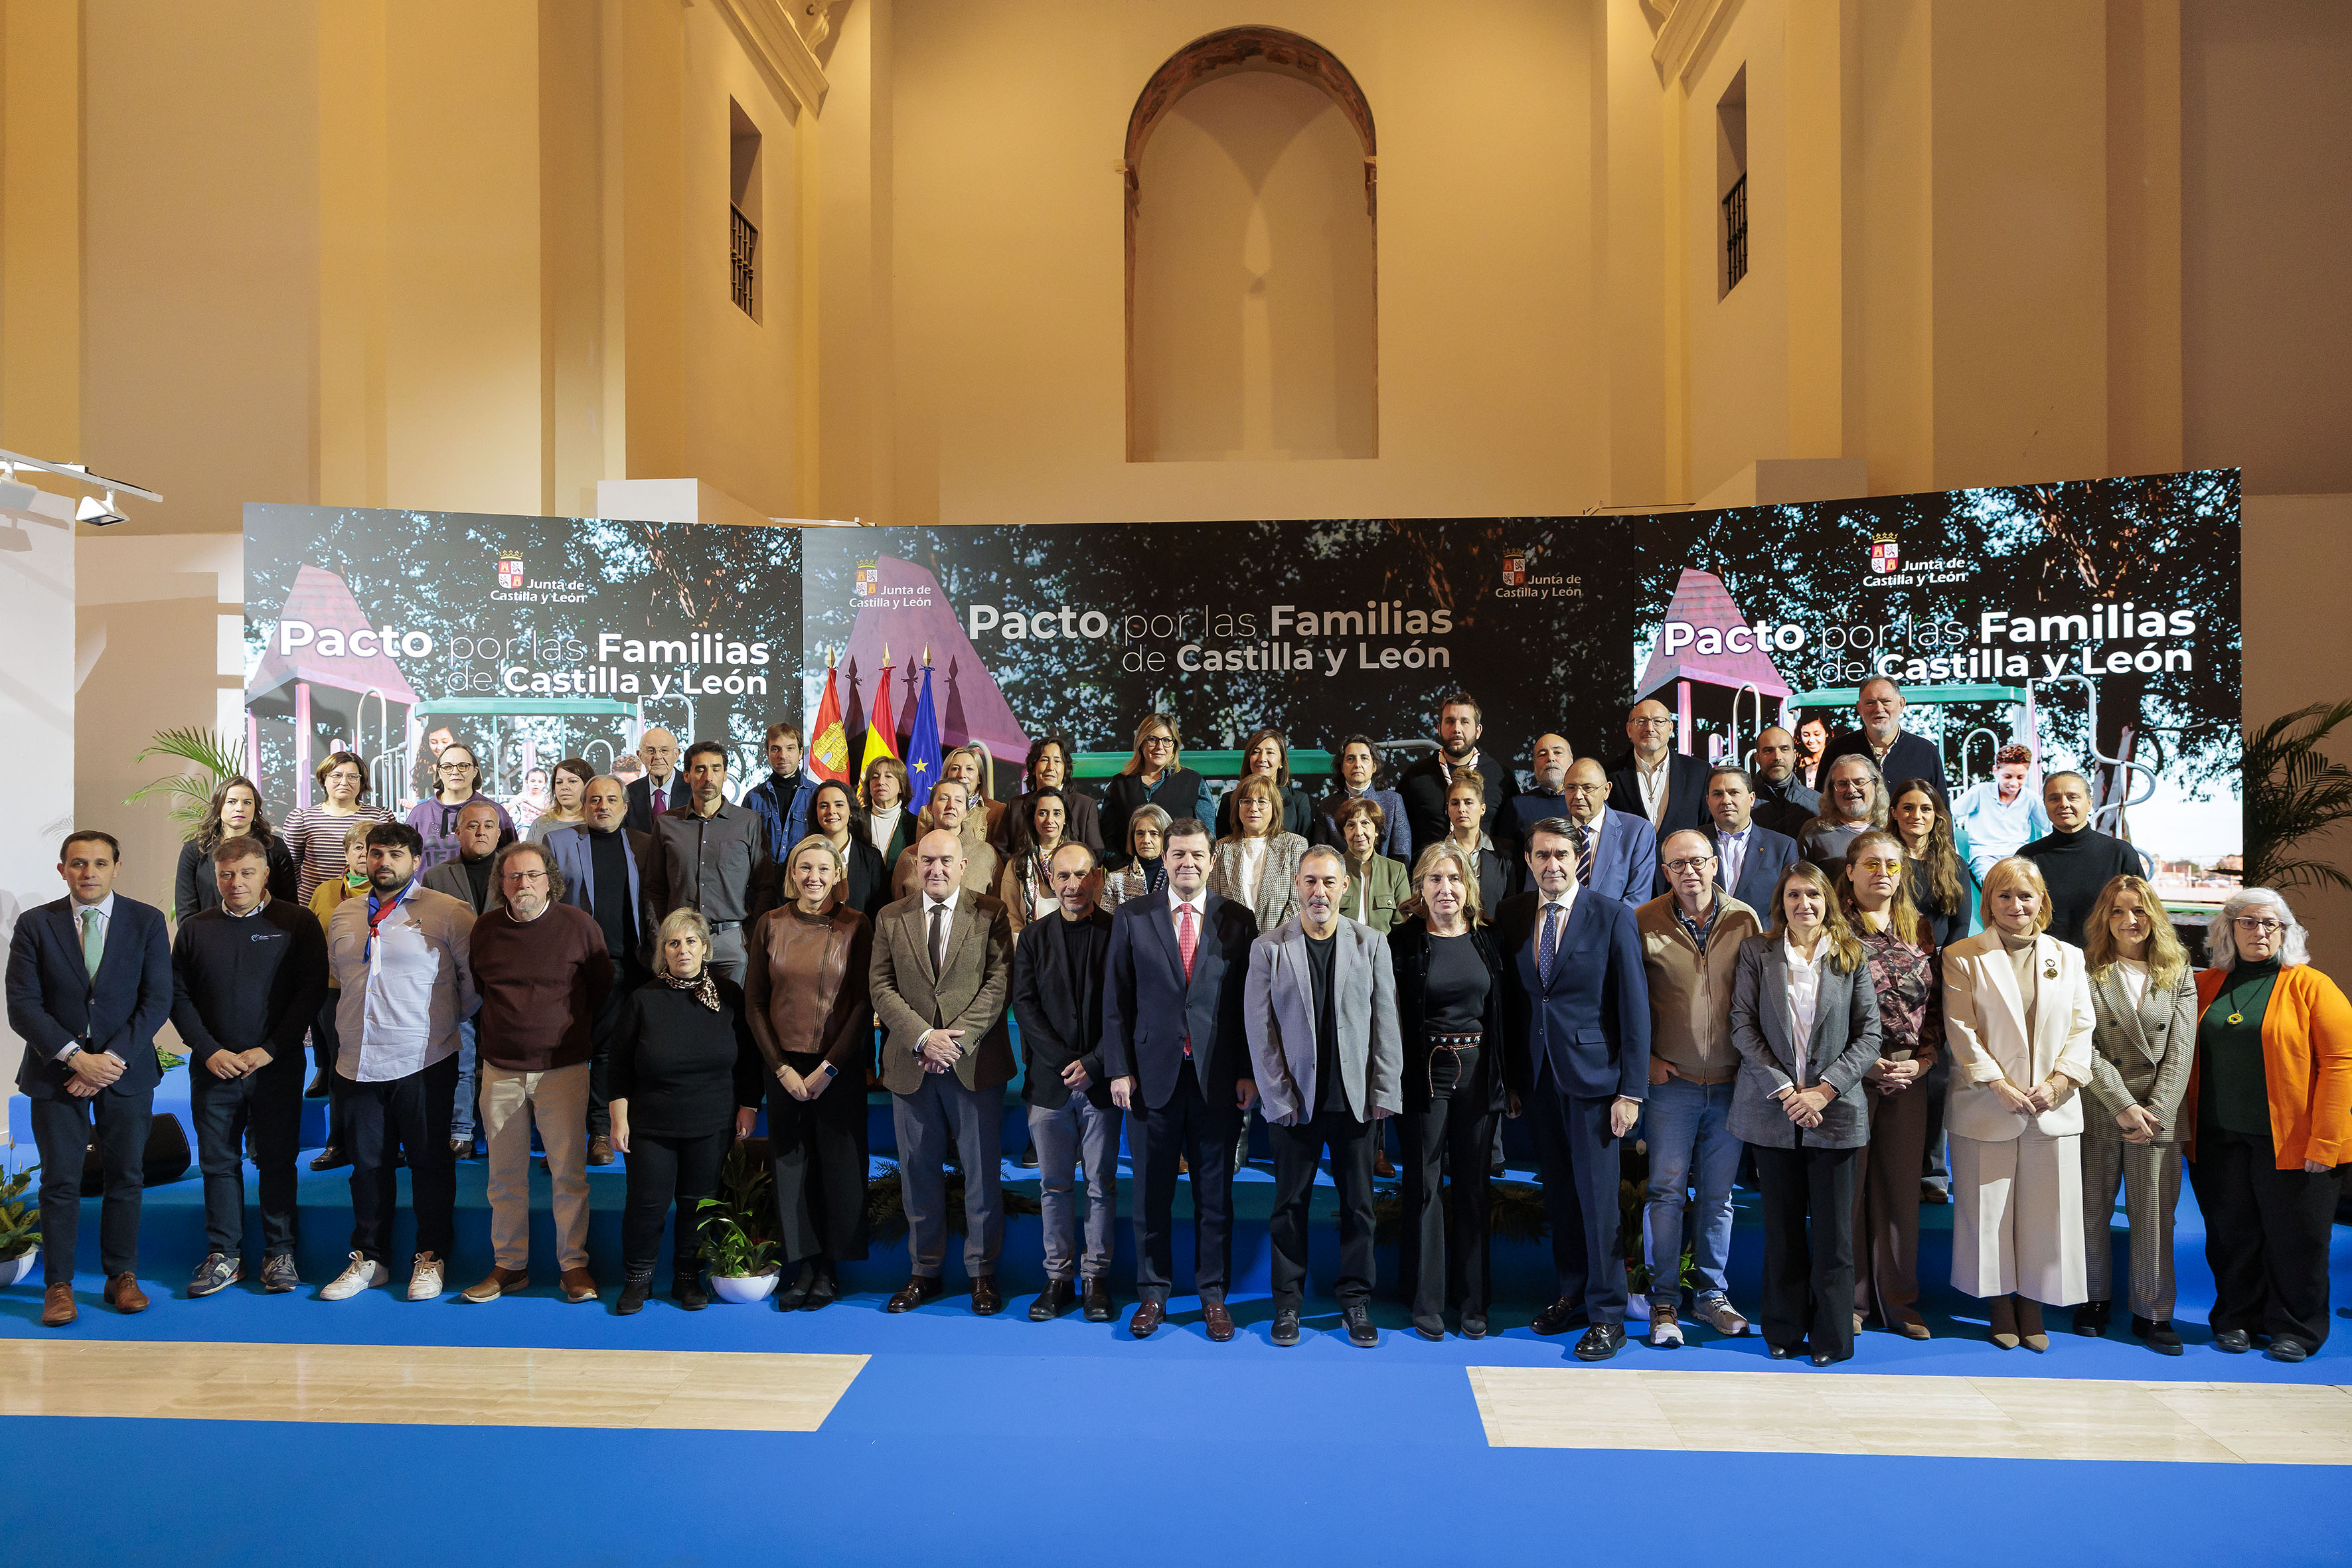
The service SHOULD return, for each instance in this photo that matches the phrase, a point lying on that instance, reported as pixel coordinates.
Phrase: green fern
(2292, 792)
(213, 756)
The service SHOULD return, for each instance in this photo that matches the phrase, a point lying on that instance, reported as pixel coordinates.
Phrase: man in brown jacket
(1690, 948)
(943, 971)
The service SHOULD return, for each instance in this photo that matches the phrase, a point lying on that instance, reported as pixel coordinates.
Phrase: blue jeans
(1688, 1125)
(469, 1073)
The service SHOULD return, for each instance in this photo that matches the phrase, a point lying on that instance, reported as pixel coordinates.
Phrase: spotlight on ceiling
(98, 516)
(14, 494)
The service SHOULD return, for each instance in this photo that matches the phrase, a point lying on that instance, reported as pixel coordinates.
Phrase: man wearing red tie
(1174, 1046)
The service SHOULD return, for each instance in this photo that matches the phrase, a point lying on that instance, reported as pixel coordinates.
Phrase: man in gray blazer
(943, 971)
(1320, 1012)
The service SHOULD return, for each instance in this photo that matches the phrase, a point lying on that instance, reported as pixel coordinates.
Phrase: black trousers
(1576, 1158)
(627, 975)
(1296, 1152)
(270, 1103)
(1188, 1128)
(1456, 1133)
(411, 1114)
(817, 1150)
(2266, 1236)
(663, 1171)
(1808, 1287)
(61, 1129)
(327, 1041)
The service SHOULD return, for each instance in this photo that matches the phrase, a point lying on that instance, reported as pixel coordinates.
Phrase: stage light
(96, 515)
(14, 494)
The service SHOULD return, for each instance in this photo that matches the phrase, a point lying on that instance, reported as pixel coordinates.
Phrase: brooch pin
(2049, 972)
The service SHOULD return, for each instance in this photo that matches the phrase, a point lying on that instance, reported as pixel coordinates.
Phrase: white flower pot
(18, 1268)
(745, 1288)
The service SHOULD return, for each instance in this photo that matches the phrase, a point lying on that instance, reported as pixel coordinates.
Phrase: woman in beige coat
(2017, 1023)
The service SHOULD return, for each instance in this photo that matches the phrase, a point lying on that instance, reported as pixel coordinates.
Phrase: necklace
(2237, 1007)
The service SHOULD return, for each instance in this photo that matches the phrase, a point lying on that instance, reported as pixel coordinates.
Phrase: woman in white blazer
(2018, 1021)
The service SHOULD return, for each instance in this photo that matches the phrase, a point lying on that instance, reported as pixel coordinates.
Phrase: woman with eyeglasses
(1155, 775)
(436, 817)
(315, 833)
(2269, 1108)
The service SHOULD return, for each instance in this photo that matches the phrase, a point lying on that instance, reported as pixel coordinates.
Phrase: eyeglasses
(2257, 925)
(1692, 863)
(455, 767)
(1583, 788)
(526, 878)
(1887, 866)
(1652, 723)
(1158, 741)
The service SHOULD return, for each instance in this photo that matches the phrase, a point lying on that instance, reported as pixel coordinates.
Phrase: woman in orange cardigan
(2270, 1106)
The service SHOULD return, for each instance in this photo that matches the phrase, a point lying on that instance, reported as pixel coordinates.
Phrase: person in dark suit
(236, 810)
(1663, 787)
(1549, 760)
(1268, 752)
(1578, 1042)
(1460, 722)
(1748, 859)
(603, 860)
(832, 816)
(1174, 1043)
(1882, 738)
(1059, 963)
(1616, 851)
(248, 976)
(1783, 802)
(89, 982)
(659, 752)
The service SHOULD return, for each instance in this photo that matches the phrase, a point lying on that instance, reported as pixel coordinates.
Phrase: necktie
(657, 796)
(939, 940)
(93, 942)
(1549, 945)
(1584, 854)
(1187, 943)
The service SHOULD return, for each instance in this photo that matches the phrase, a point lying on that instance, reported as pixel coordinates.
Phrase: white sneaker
(1665, 1327)
(359, 1275)
(424, 1281)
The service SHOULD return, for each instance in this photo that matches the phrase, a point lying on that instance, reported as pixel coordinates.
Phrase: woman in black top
(1155, 775)
(1942, 887)
(685, 1079)
(832, 814)
(1449, 986)
(1268, 752)
(234, 811)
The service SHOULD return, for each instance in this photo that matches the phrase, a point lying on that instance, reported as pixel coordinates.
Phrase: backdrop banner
(531, 638)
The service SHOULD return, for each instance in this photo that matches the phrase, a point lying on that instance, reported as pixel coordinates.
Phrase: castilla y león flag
(828, 753)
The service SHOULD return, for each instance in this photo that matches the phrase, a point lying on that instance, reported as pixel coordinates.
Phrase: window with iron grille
(1735, 234)
(1731, 182)
(747, 264)
(743, 193)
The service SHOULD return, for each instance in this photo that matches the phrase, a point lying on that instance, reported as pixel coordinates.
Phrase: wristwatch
(829, 1069)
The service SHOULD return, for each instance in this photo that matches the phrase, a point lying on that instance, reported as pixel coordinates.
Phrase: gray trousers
(1078, 1132)
(2149, 1175)
(940, 1112)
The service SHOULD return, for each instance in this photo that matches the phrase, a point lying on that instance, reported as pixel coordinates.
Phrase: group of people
(1780, 962)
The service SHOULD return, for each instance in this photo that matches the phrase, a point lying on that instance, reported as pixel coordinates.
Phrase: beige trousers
(2017, 1218)
(558, 1100)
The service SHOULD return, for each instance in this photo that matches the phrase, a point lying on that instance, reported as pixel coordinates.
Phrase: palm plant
(20, 1217)
(212, 754)
(2293, 791)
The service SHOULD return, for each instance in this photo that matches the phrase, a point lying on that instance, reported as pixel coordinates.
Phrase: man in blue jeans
(1690, 948)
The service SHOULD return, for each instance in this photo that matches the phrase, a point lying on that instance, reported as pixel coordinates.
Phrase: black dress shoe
(2235, 1342)
(825, 1290)
(1285, 1325)
(2091, 1319)
(2159, 1333)
(1601, 1342)
(1559, 1318)
(1028, 1160)
(1821, 1358)
(1429, 1328)
(1052, 1301)
(1783, 1352)
(986, 1299)
(1149, 1316)
(923, 1288)
(634, 1292)
(329, 1159)
(1098, 1307)
(795, 1296)
(2287, 1350)
(1474, 1325)
(1360, 1331)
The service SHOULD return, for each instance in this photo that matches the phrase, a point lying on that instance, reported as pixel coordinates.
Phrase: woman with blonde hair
(1154, 776)
(2142, 1045)
(2018, 1021)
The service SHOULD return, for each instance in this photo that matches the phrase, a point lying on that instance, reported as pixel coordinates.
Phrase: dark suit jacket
(1686, 793)
(195, 888)
(1150, 1010)
(1785, 808)
(1626, 865)
(449, 877)
(869, 878)
(1911, 757)
(1591, 1024)
(1422, 785)
(1059, 1007)
(641, 799)
(1769, 854)
(54, 1001)
(575, 857)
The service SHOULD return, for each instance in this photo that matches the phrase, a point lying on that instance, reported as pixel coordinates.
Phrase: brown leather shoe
(1220, 1321)
(600, 1151)
(1149, 1315)
(1381, 1164)
(122, 1294)
(986, 1299)
(58, 1307)
(914, 1293)
(579, 1286)
(497, 1282)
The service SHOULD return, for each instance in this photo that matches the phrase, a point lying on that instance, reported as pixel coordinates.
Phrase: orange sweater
(2306, 1062)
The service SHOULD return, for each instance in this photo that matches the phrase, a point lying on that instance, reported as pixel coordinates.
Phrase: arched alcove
(1252, 304)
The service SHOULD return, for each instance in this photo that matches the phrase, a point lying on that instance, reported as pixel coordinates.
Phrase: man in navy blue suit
(1616, 851)
(1577, 1044)
(89, 982)
(1748, 856)
(1174, 1045)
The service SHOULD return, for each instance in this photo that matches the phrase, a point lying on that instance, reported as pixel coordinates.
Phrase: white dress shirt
(930, 903)
(1252, 867)
(1198, 903)
(403, 994)
(1652, 781)
(1731, 848)
(1804, 1000)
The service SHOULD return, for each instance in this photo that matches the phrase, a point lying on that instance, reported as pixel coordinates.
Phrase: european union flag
(923, 746)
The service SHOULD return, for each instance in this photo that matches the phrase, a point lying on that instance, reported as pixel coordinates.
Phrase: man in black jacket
(247, 976)
(1460, 722)
(1662, 787)
(2076, 859)
(1057, 991)
(1783, 803)
(1899, 754)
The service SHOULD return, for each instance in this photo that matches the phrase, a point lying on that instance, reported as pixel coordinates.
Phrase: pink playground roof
(1701, 600)
(322, 598)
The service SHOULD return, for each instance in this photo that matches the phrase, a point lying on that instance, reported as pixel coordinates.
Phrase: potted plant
(20, 1228)
(743, 1266)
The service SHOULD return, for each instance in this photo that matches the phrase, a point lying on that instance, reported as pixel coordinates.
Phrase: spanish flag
(828, 754)
(881, 732)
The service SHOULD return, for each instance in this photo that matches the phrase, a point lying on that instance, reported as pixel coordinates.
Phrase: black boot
(2091, 1319)
(634, 1291)
(685, 1288)
(795, 1296)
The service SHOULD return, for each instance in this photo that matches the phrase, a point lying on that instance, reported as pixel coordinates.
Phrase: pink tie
(1187, 943)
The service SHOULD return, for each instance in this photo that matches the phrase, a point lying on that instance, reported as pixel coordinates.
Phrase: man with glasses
(543, 969)
(1616, 851)
(2075, 859)
(664, 787)
(1882, 738)
(1654, 782)
(712, 858)
(1784, 803)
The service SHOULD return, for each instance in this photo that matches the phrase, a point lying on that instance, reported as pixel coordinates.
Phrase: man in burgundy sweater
(541, 969)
